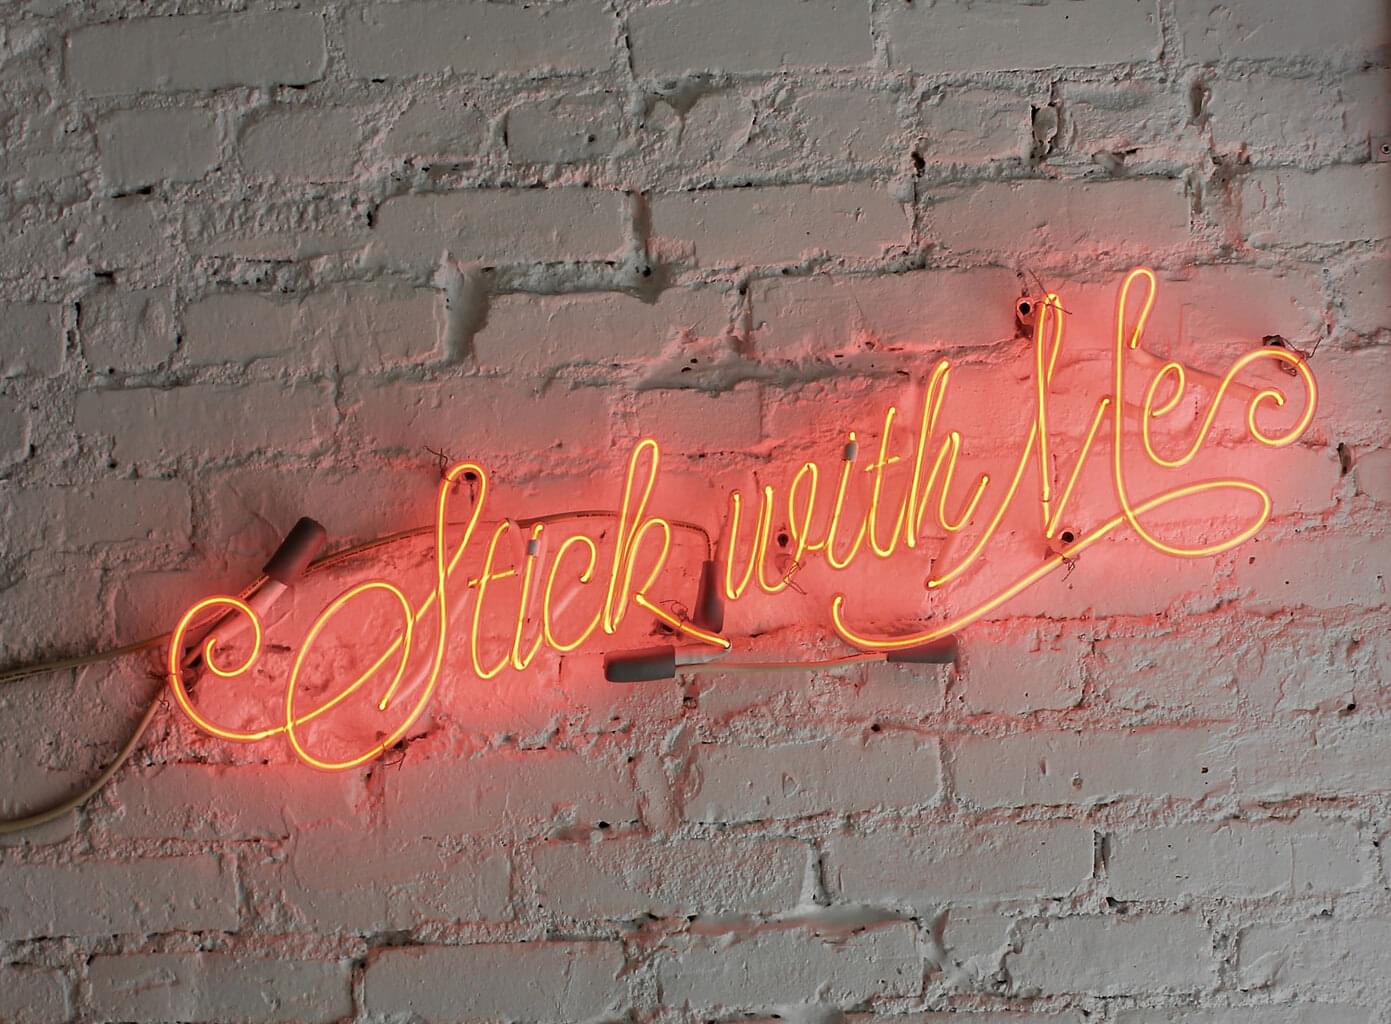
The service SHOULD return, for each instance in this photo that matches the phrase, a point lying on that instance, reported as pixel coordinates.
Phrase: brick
(1136, 120)
(1138, 673)
(1008, 861)
(1300, 1013)
(1009, 1017)
(694, 422)
(564, 130)
(800, 780)
(388, 883)
(219, 987)
(1272, 119)
(1276, 765)
(544, 224)
(819, 316)
(1324, 958)
(731, 36)
(83, 517)
(1115, 955)
(1343, 29)
(629, 877)
(1290, 207)
(1219, 306)
(971, 126)
(31, 339)
(14, 431)
(197, 52)
(1315, 571)
(126, 331)
(1373, 474)
(861, 127)
(275, 226)
(349, 327)
(1301, 858)
(302, 145)
(141, 147)
(1355, 392)
(1063, 216)
(1365, 293)
(567, 981)
(545, 789)
(197, 801)
(540, 333)
(1089, 767)
(203, 421)
(195, 893)
(1008, 673)
(770, 968)
(33, 995)
(406, 39)
(119, 234)
(778, 225)
(478, 418)
(967, 37)
(437, 128)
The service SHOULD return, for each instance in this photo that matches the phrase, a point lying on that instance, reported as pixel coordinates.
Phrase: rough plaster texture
(256, 257)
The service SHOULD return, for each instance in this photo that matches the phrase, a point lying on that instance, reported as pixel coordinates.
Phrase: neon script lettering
(821, 522)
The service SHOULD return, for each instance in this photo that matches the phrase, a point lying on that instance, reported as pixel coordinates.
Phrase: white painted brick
(302, 145)
(1366, 296)
(1277, 120)
(1276, 765)
(284, 226)
(168, 894)
(141, 147)
(667, 39)
(1007, 1017)
(197, 52)
(778, 225)
(1115, 955)
(1300, 858)
(517, 792)
(197, 801)
(543, 224)
(972, 126)
(1018, 674)
(1316, 571)
(31, 339)
(1373, 474)
(33, 995)
(859, 127)
(203, 421)
(405, 39)
(1335, 204)
(1342, 29)
(1142, 673)
(771, 968)
(1139, 120)
(1216, 307)
(1089, 767)
(694, 422)
(477, 418)
(1063, 216)
(540, 333)
(819, 316)
(1300, 1013)
(628, 877)
(126, 331)
(969, 37)
(1328, 958)
(798, 780)
(982, 863)
(219, 987)
(1355, 392)
(565, 981)
(90, 516)
(388, 883)
(437, 127)
(350, 327)
(40, 609)
(564, 130)
(14, 431)
(119, 234)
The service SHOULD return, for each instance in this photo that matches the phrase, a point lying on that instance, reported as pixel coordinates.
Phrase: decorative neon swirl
(643, 543)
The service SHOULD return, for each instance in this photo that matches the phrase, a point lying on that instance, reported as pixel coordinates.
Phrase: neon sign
(821, 522)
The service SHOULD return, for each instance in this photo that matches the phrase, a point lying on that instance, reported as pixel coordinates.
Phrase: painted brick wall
(257, 257)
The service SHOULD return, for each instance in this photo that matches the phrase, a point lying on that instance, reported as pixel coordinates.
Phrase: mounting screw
(1381, 148)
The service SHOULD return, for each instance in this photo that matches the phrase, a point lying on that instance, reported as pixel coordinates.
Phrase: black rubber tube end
(300, 547)
(640, 666)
